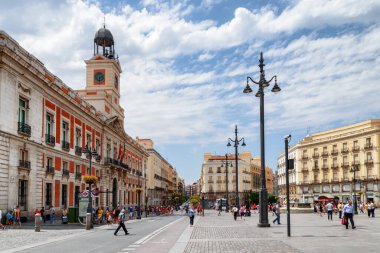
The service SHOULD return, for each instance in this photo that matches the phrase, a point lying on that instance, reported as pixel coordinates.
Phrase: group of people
(12, 218)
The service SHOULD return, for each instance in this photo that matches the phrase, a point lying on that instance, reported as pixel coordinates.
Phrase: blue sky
(185, 65)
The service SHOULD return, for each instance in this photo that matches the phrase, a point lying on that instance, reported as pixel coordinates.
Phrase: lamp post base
(263, 225)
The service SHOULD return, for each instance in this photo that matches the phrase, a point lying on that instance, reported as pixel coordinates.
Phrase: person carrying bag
(121, 223)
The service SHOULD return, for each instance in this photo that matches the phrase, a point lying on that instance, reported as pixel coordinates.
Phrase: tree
(178, 198)
(253, 197)
(195, 199)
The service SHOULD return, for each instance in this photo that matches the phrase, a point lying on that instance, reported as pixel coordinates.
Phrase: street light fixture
(227, 164)
(262, 83)
(236, 145)
(354, 169)
(90, 153)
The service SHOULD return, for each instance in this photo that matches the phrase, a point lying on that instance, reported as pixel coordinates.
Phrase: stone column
(37, 223)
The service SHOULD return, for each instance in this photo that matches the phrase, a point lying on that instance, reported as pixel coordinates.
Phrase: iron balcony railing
(65, 145)
(78, 176)
(78, 150)
(65, 172)
(50, 170)
(24, 128)
(24, 164)
(50, 139)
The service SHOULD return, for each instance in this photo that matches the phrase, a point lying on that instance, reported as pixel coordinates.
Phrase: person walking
(371, 209)
(277, 212)
(348, 212)
(52, 215)
(235, 210)
(340, 209)
(329, 208)
(242, 212)
(42, 212)
(121, 219)
(17, 215)
(190, 212)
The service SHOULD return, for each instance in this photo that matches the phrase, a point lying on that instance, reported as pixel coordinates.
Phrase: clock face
(99, 77)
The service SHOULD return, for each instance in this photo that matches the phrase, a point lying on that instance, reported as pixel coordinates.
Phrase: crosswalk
(130, 248)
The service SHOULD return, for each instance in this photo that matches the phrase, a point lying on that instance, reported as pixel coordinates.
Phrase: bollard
(37, 222)
(88, 221)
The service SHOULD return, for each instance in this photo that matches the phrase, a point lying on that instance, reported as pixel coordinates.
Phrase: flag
(119, 155)
(122, 153)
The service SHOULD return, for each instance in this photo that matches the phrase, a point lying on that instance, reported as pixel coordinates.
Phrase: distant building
(325, 164)
(191, 190)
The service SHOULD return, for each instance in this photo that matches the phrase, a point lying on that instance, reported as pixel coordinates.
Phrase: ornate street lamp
(262, 83)
(227, 164)
(89, 154)
(354, 169)
(236, 145)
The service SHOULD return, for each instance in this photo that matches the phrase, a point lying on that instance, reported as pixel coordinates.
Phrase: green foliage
(177, 198)
(254, 198)
(195, 199)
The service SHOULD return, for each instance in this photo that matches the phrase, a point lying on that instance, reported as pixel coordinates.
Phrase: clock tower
(103, 76)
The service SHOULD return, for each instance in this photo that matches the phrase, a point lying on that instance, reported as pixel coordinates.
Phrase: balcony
(65, 173)
(345, 165)
(65, 145)
(355, 163)
(78, 150)
(346, 179)
(210, 181)
(325, 180)
(315, 168)
(24, 129)
(335, 166)
(98, 158)
(305, 169)
(305, 157)
(210, 171)
(368, 162)
(334, 152)
(111, 161)
(325, 154)
(344, 150)
(335, 180)
(325, 167)
(368, 146)
(355, 149)
(219, 181)
(23, 164)
(49, 139)
(78, 176)
(315, 156)
(50, 170)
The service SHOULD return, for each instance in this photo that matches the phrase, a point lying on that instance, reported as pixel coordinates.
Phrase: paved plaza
(309, 233)
(211, 233)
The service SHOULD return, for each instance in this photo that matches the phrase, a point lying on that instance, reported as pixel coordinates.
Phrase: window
(77, 137)
(88, 171)
(23, 155)
(22, 110)
(335, 162)
(356, 144)
(97, 146)
(77, 169)
(356, 159)
(77, 192)
(109, 150)
(88, 140)
(335, 149)
(48, 195)
(22, 194)
(316, 151)
(324, 163)
(64, 195)
(49, 124)
(49, 162)
(65, 131)
(344, 160)
(369, 157)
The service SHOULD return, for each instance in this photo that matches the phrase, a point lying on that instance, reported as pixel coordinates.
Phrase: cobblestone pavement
(309, 233)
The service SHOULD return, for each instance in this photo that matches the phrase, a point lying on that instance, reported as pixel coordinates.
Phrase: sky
(185, 65)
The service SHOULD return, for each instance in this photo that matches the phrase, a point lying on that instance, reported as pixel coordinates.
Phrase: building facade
(217, 176)
(162, 178)
(328, 162)
(293, 176)
(46, 127)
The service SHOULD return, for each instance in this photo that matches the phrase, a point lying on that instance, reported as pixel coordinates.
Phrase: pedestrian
(219, 208)
(130, 212)
(242, 212)
(348, 213)
(235, 210)
(371, 209)
(190, 212)
(1, 219)
(329, 208)
(17, 216)
(121, 219)
(277, 212)
(42, 211)
(340, 209)
(52, 215)
(10, 220)
(64, 215)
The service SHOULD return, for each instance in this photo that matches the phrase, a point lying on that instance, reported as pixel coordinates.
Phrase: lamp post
(236, 145)
(287, 138)
(203, 204)
(138, 197)
(262, 83)
(354, 169)
(145, 197)
(227, 164)
(90, 153)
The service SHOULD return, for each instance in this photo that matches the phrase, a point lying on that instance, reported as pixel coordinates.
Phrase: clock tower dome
(103, 76)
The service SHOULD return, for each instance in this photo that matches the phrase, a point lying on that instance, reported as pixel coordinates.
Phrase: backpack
(274, 209)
